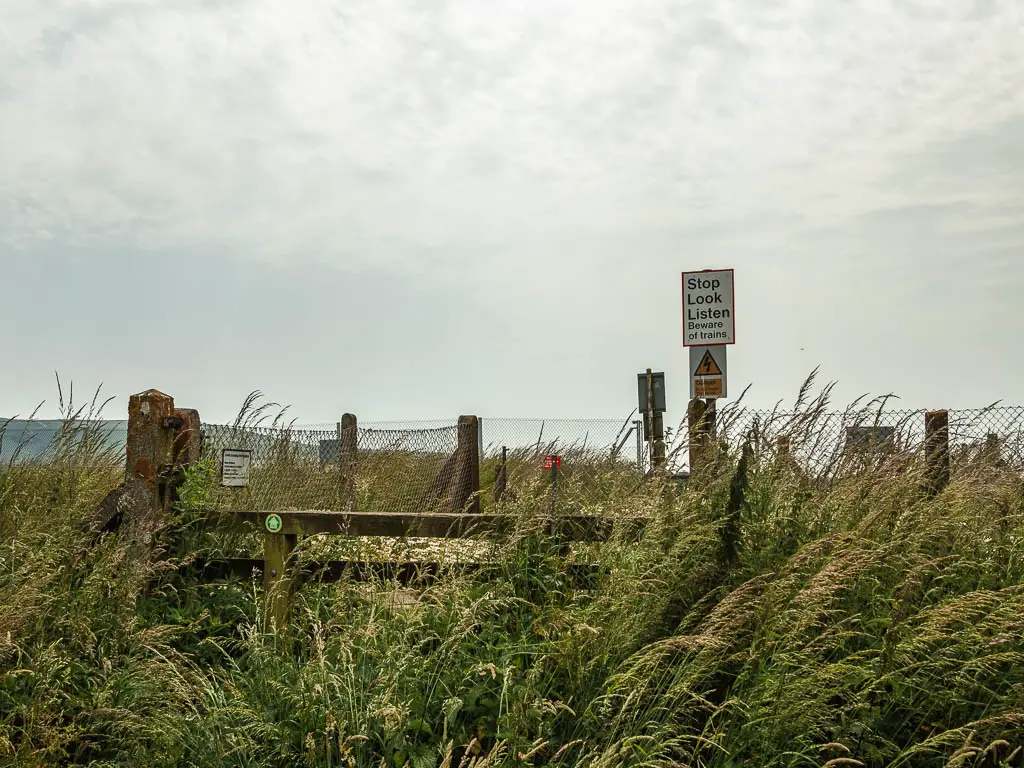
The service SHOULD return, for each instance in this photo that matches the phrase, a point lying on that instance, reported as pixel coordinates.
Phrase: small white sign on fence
(234, 472)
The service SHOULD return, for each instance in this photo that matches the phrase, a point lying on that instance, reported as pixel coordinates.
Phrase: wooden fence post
(658, 459)
(783, 451)
(186, 445)
(278, 579)
(936, 451)
(467, 474)
(992, 451)
(348, 449)
(701, 422)
(501, 479)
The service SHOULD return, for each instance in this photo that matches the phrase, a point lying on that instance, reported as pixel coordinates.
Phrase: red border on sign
(732, 272)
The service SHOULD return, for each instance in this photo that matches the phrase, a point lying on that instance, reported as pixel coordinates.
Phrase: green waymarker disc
(274, 523)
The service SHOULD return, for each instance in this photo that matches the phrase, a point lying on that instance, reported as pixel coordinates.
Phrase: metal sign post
(650, 414)
(651, 395)
(709, 326)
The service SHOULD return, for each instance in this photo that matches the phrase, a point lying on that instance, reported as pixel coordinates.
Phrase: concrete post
(150, 465)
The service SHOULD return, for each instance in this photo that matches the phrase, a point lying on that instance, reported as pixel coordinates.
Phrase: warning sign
(708, 366)
(713, 387)
(708, 372)
(709, 308)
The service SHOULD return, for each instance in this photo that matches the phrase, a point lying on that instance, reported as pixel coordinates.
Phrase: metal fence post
(936, 451)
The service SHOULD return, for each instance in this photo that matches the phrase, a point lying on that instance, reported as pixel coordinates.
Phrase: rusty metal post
(936, 451)
(466, 493)
(348, 453)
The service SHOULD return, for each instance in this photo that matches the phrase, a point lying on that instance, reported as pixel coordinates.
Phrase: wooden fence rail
(163, 441)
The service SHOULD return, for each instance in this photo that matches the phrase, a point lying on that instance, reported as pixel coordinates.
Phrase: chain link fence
(403, 466)
(74, 441)
(599, 459)
(383, 467)
(820, 441)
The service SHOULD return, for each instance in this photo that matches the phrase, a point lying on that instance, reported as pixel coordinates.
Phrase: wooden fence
(164, 440)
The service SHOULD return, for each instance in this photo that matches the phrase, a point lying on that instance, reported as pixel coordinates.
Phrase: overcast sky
(414, 209)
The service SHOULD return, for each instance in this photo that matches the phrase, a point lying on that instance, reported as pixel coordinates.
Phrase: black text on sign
(709, 308)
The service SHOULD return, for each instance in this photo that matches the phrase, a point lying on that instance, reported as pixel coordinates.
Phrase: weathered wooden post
(654, 419)
(936, 451)
(186, 446)
(348, 449)
(659, 457)
(701, 422)
(278, 576)
(992, 451)
(501, 479)
(466, 492)
(783, 451)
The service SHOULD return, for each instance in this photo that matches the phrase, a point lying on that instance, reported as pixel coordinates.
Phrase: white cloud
(564, 154)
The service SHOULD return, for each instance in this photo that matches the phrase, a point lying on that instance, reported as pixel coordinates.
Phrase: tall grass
(768, 617)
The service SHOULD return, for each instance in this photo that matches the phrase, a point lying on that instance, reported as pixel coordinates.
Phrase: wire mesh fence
(822, 441)
(598, 459)
(383, 467)
(404, 466)
(44, 441)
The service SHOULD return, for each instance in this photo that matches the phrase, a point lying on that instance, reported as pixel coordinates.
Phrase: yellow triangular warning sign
(708, 366)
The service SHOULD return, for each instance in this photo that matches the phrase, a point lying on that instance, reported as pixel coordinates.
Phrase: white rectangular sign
(708, 373)
(235, 465)
(709, 308)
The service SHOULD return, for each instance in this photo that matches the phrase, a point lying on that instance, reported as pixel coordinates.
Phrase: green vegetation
(767, 618)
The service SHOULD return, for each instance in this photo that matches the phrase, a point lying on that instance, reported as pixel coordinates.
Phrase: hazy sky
(417, 209)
